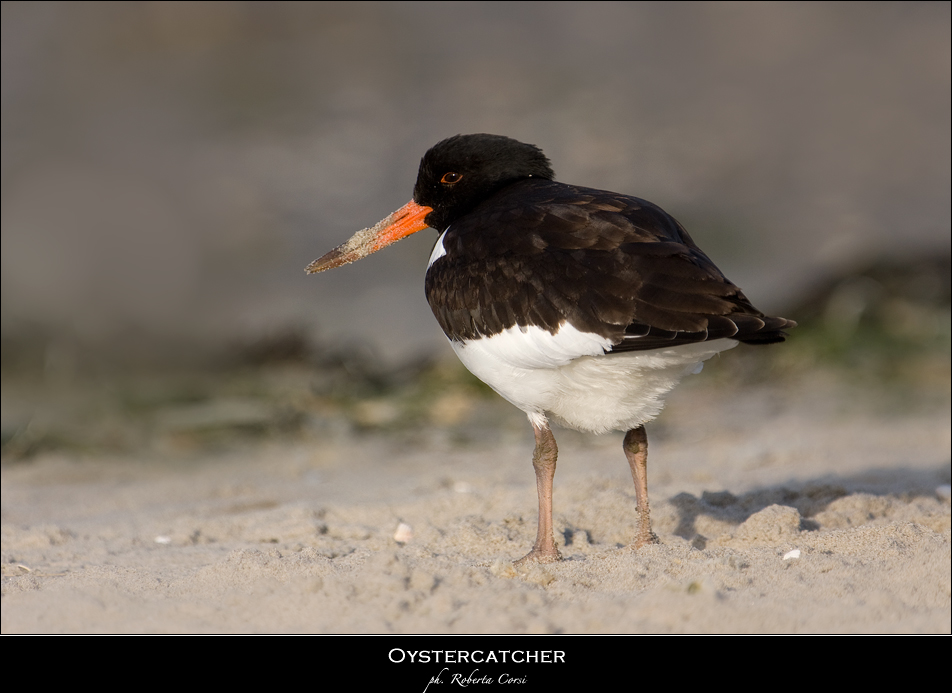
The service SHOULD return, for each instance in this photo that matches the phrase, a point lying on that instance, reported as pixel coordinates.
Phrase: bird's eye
(451, 177)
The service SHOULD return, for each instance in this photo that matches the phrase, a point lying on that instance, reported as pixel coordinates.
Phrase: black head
(460, 172)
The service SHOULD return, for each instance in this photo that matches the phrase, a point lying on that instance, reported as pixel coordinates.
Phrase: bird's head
(458, 173)
(455, 175)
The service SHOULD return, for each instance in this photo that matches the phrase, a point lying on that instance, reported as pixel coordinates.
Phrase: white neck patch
(438, 250)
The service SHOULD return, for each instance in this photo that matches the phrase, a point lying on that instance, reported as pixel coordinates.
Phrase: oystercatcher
(582, 304)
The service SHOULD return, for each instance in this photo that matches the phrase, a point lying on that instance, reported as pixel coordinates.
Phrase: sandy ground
(300, 536)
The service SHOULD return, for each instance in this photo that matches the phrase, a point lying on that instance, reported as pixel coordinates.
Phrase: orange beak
(408, 219)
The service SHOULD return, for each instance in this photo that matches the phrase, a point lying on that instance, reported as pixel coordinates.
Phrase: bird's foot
(540, 555)
(645, 539)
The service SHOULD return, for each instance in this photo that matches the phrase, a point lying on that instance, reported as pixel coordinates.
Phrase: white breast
(569, 375)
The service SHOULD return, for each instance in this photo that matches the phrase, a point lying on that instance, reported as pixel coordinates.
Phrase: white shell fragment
(795, 553)
(403, 534)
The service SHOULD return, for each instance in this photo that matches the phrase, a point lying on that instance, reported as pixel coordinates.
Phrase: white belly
(569, 375)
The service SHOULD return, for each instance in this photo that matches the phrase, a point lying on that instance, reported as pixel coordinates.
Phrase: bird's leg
(543, 461)
(636, 450)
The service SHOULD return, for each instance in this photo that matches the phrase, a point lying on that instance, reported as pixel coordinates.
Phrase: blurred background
(169, 169)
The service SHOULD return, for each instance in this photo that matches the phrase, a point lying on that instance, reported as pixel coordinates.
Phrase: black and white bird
(583, 305)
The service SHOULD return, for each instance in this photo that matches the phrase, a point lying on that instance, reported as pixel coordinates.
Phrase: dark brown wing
(543, 253)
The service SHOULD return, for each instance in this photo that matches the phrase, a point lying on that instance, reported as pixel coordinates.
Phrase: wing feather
(543, 253)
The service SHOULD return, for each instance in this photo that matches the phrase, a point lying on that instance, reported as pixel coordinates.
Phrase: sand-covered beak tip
(407, 220)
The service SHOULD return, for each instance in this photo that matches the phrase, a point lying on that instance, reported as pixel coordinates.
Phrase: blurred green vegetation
(887, 324)
(884, 327)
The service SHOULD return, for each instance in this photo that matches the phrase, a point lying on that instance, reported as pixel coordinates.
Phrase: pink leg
(636, 450)
(543, 461)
